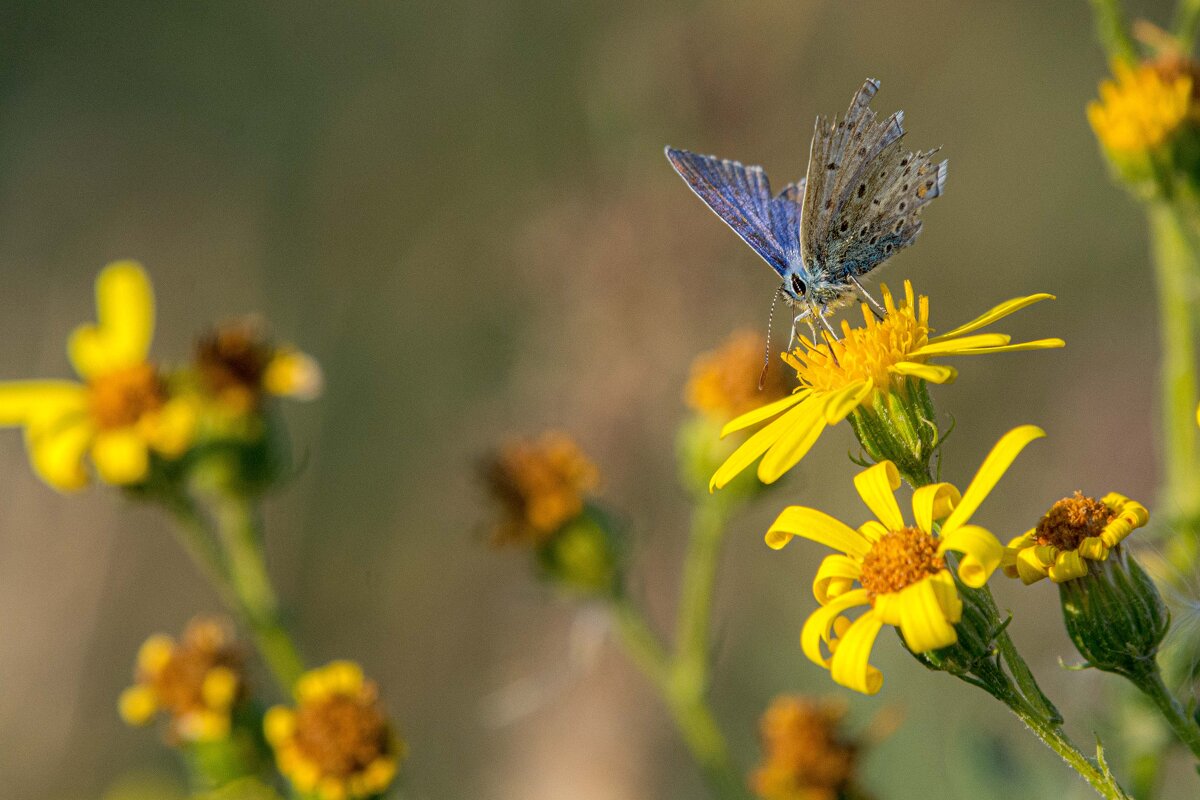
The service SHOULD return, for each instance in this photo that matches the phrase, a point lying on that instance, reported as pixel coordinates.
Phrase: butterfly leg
(831, 335)
(871, 301)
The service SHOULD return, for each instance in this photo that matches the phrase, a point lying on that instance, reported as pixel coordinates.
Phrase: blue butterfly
(858, 205)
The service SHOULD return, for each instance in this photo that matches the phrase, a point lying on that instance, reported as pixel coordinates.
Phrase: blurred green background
(463, 211)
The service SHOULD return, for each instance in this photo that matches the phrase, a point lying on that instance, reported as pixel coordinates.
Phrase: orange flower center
(806, 754)
(342, 735)
(866, 353)
(724, 383)
(1071, 520)
(119, 398)
(900, 559)
(539, 485)
(180, 683)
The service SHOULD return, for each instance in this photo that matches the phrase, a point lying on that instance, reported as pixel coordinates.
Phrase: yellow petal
(999, 312)
(121, 456)
(876, 486)
(124, 322)
(1030, 568)
(933, 503)
(22, 401)
(951, 346)
(850, 665)
(873, 530)
(751, 449)
(839, 404)
(807, 423)
(993, 468)
(171, 429)
(934, 373)
(947, 596)
(137, 705)
(816, 526)
(763, 413)
(293, 374)
(818, 626)
(56, 448)
(1093, 547)
(981, 553)
(1067, 567)
(835, 577)
(922, 620)
(1037, 344)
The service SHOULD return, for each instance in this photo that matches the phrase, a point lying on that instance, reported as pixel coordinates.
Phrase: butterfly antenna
(762, 376)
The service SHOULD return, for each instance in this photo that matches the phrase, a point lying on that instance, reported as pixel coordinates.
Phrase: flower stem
(689, 709)
(239, 529)
(1052, 735)
(1187, 21)
(1181, 722)
(1176, 257)
(690, 667)
(196, 538)
(1113, 31)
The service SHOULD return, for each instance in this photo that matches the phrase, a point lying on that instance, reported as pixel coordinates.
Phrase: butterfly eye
(798, 286)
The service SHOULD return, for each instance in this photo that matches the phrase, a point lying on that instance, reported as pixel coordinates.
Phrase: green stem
(1175, 260)
(196, 538)
(1181, 722)
(1054, 738)
(239, 529)
(1023, 675)
(1187, 21)
(688, 708)
(1113, 31)
(690, 670)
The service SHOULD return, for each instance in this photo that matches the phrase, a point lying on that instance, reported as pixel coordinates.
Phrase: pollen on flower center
(342, 735)
(900, 559)
(119, 398)
(866, 353)
(1071, 520)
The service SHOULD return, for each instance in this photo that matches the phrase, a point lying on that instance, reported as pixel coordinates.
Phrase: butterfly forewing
(741, 196)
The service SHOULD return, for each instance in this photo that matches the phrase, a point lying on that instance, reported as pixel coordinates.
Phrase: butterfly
(858, 205)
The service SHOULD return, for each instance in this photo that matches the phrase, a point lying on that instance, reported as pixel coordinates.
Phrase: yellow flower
(806, 755)
(1142, 108)
(877, 359)
(121, 412)
(1074, 529)
(337, 744)
(724, 382)
(238, 365)
(539, 485)
(195, 682)
(900, 569)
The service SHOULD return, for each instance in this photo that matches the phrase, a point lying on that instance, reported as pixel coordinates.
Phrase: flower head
(539, 485)
(806, 754)
(882, 359)
(1074, 529)
(337, 743)
(122, 412)
(899, 571)
(196, 682)
(238, 365)
(724, 382)
(1142, 107)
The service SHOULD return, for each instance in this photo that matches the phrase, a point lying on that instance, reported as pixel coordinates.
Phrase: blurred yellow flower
(875, 359)
(337, 744)
(196, 682)
(724, 381)
(539, 485)
(1142, 107)
(121, 412)
(1074, 529)
(900, 569)
(806, 754)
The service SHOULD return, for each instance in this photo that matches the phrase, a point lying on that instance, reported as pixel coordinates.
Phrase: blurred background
(463, 211)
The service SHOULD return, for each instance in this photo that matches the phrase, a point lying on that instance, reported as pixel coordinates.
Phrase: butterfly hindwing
(741, 196)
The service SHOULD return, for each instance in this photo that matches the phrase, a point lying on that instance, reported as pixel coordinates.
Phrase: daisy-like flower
(121, 412)
(1143, 106)
(1074, 529)
(898, 571)
(807, 754)
(858, 375)
(196, 682)
(724, 382)
(337, 744)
